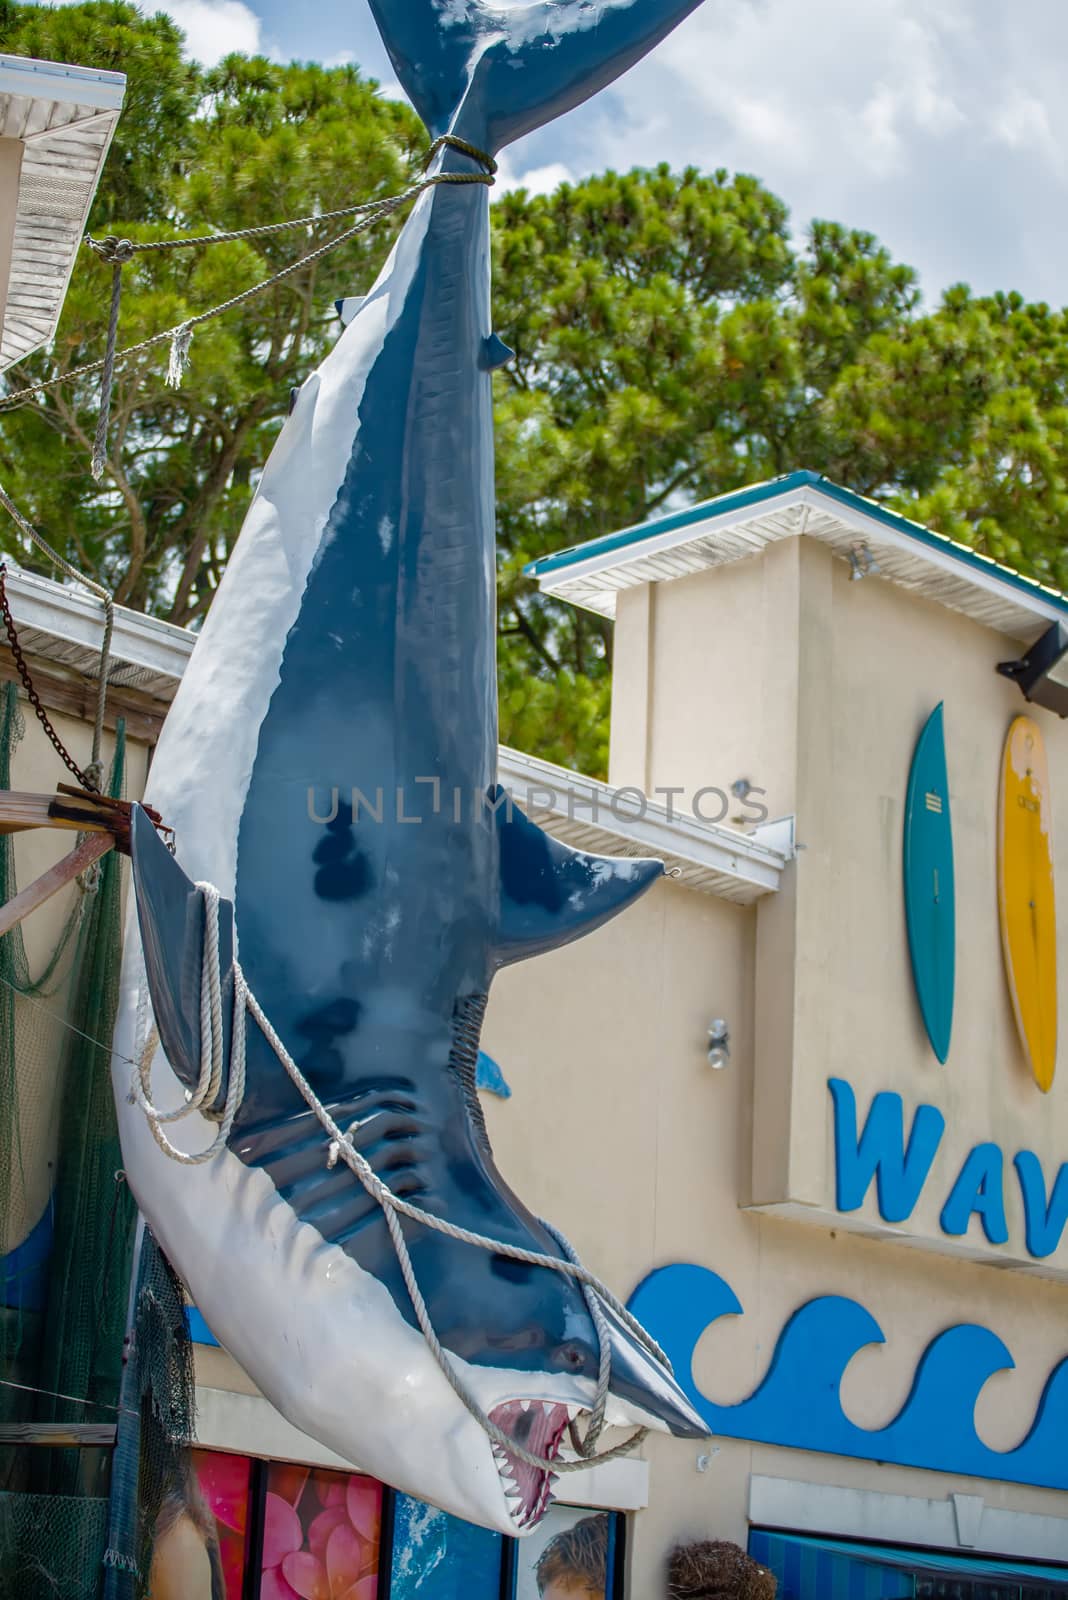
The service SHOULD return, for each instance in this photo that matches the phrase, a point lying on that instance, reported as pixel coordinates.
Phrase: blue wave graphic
(798, 1403)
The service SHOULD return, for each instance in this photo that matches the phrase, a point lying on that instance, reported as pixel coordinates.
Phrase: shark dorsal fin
(552, 894)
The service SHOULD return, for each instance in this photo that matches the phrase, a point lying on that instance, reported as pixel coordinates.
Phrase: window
(244, 1529)
(822, 1569)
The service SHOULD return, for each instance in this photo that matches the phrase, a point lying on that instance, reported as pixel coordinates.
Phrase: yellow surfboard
(1026, 897)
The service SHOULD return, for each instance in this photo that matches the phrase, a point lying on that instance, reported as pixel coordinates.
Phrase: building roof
(60, 627)
(741, 524)
(64, 626)
(64, 118)
(590, 815)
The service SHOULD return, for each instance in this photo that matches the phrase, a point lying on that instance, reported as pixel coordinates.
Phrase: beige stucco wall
(815, 688)
(619, 1131)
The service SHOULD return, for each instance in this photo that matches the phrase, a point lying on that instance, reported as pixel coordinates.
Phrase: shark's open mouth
(538, 1426)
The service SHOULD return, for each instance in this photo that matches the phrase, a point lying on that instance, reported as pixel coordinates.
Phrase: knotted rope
(393, 1206)
(119, 251)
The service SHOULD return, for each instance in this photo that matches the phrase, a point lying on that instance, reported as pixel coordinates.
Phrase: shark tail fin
(170, 911)
(457, 59)
(552, 894)
(430, 52)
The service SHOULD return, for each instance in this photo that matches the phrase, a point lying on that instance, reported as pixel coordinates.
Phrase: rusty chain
(31, 693)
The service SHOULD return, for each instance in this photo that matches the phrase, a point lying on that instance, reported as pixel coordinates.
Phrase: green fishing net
(153, 1482)
(67, 1216)
(79, 1523)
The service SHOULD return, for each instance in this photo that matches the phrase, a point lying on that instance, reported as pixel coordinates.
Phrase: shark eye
(571, 1356)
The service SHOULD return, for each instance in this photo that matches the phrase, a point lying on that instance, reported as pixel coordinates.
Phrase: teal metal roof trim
(735, 500)
(632, 539)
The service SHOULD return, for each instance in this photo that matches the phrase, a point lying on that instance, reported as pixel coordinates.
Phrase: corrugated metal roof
(741, 524)
(65, 626)
(589, 815)
(64, 117)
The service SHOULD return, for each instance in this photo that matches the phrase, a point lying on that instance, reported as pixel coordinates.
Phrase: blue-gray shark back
(330, 763)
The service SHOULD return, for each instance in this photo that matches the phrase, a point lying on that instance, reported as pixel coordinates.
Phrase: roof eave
(62, 81)
(64, 117)
(961, 578)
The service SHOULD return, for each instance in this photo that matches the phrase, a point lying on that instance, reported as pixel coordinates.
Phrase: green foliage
(672, 342)
(673, 345)
(247, 143)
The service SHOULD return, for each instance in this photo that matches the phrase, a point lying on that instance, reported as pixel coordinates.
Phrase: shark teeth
(539, 1426)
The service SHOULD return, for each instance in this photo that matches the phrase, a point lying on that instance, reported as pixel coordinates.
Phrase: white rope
(179, 336)
(340, 1146)
(204, 1096)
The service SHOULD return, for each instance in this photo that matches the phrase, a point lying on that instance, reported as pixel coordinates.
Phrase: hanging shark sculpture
(329, 764)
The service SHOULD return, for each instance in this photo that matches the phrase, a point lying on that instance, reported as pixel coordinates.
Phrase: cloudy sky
(940, 125)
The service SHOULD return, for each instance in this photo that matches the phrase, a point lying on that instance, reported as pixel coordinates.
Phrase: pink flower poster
(223, 1481)
(320, 1535)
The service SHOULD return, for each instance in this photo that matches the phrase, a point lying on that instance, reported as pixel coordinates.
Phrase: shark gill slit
(467, 1023)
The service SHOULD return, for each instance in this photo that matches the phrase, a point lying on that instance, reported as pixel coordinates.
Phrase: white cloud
(1023, 123)
(214, 28)
(535, 180)
(939, 125)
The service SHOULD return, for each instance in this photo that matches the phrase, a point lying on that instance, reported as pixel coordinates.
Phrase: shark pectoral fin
(551, 894)
(170, 911)
(495, 353)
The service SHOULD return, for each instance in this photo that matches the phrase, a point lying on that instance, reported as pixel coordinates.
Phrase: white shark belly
(309, 1325)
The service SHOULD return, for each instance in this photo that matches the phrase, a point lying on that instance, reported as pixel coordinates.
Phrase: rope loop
(450, 141)
(340, 1147)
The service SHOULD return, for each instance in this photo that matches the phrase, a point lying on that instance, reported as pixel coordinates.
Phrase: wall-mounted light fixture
(719, 1043)
(861, 561)
(1042, 674)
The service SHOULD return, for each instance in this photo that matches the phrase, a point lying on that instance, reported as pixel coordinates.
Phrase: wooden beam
(19, 810)
(81, 1435)
(50, 882)
(73, 696)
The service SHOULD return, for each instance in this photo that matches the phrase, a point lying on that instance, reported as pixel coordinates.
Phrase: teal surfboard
(929, 900)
